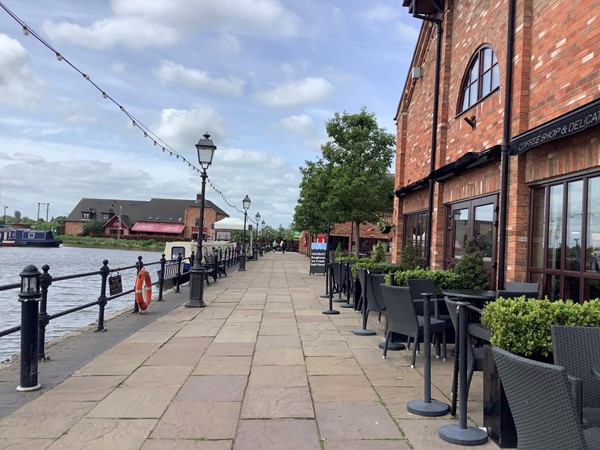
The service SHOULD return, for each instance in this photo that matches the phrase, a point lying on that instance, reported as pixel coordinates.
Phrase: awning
(412, 187)
(152, 227)
(468, 161)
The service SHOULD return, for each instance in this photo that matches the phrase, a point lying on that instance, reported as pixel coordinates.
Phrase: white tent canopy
(230, 223)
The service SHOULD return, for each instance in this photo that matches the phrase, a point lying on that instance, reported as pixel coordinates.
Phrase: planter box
(497, 417)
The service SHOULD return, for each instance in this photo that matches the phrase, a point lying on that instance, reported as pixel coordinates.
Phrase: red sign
(194, 229)
(321, 238)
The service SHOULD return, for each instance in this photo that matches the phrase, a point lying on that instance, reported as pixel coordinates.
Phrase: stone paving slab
(260, 367)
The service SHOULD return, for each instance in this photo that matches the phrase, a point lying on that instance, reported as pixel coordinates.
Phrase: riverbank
(149, 245)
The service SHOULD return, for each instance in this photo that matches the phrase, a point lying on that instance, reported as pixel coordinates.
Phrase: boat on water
(16, 237)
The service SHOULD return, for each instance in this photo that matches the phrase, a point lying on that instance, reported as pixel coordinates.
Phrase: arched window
(481, 78)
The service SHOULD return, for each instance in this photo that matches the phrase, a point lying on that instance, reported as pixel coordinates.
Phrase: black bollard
(161, 281)
(326, 294)
(330, 310)
(427, 407)
(29, 297)
(461, 434)
(178, 281)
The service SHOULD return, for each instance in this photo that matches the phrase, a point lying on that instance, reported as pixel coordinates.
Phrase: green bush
(444, 279)
(408, 260)
(522, 326)
(471, 269)
(379, 253)
(379, 267)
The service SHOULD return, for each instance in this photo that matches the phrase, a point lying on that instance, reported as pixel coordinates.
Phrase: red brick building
(498, 139)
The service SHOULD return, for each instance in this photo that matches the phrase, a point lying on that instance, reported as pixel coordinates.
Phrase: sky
(262, 77)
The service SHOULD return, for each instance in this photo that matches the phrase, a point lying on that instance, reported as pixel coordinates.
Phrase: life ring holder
(143, 289)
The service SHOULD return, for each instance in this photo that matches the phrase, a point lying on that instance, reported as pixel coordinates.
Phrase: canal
(64, 294)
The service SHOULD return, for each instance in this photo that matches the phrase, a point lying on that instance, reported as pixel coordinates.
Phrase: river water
(66, 294)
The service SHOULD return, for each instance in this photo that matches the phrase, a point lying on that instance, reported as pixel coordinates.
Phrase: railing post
(178, 280)
(139, 265)
(43, 320)
(29, 296)
(104, 272)
(161, 281)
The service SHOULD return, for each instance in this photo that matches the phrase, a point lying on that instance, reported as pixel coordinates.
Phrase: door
(473, 219)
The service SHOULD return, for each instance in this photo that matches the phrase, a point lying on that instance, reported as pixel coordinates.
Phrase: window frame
(409, 220)
(467, 84)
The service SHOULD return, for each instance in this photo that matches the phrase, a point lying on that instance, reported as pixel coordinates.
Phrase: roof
(162, 210)
(230, 223)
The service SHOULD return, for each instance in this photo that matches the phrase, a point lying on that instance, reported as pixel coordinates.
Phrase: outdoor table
(596, 369)
(471, 294)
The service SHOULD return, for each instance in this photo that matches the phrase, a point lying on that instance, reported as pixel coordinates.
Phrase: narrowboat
(14, 237)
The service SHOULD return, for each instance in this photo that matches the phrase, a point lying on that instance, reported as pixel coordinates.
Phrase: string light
(136, 123)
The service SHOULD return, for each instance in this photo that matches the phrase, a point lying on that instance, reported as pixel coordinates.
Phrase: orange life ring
(143, 289)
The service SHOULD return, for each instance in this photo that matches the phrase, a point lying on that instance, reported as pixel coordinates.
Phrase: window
(481, 78)
(106, 215)
(86, 215)
(415, 231)
(565, 238)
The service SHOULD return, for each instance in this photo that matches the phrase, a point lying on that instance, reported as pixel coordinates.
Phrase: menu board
(318, 257)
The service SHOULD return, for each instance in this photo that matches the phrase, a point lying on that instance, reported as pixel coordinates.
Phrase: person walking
(282, 245)
(274, 245)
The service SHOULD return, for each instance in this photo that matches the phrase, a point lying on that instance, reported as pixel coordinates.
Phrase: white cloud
(301, 124)
(159, 23)
(226, 44)
(170, 72)
(294, 93)
(18, 86)
(134, 32)
(182, 128)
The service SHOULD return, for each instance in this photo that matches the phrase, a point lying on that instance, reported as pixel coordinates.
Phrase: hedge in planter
(444, 279)
(522, 326)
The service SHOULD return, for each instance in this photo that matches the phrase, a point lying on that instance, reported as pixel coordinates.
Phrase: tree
(408, 260)
(17, 216)
(471, 269)
(351, 181)
(93, 228)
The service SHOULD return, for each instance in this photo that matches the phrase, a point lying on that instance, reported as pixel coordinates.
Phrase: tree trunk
(356, 238)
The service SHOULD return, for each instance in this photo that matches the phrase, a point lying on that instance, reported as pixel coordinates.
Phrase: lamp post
(262, 237)
(257, 217)
(206, 150)
(5, 208)
(29, 296)
(246, 205)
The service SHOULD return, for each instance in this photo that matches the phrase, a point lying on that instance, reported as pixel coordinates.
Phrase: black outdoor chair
(437, 307)
(474, 356)
(531, 290)
(577, 349)
(542, 405)
(337, 273)
(505, 293)
(375, 302)
(402, 318)
(362, 280)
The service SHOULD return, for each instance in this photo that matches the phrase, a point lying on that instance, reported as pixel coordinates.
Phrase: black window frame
(479, 59)
(418, 240)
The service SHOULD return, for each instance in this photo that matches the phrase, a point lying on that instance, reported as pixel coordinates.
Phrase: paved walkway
(259, 368)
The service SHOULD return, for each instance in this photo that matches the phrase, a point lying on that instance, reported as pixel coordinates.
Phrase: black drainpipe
(506, 144)
(436, 94)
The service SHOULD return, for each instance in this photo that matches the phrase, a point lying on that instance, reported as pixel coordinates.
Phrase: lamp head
(246, 203)
(206, 150)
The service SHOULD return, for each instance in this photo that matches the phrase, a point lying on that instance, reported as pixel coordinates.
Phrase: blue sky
(261, 76)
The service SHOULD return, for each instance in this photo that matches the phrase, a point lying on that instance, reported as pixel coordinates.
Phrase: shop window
(481, 78)
(415, 231)
(565, 237)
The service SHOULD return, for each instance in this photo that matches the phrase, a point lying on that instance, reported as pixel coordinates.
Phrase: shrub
(444, 279)
(522, 326)
(379, 254)
(470, 268)
(408, 260)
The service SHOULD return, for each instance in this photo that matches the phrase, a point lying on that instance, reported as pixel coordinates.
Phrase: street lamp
(206, 150)
(257, 217)
(262, 237)
(5, 208)
(246, 205)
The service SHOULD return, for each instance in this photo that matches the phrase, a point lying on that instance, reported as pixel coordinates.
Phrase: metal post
(29, 297)
(138, 265)
(242, 267)
(331, 310)
(178, 281)
(104, 272)
(427, 407)
(461, 434)
(197, 272)
(364, 331)
(43, 321)
(161, 281)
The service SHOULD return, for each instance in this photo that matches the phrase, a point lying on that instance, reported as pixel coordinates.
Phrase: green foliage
(522, 326)
(471, 269)
(444, 279)
(408, 260)
(379, 253)
(93, 228)
(338, 252)
(98, 242)
(350, 183)
(378, 267)
(17, 215)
